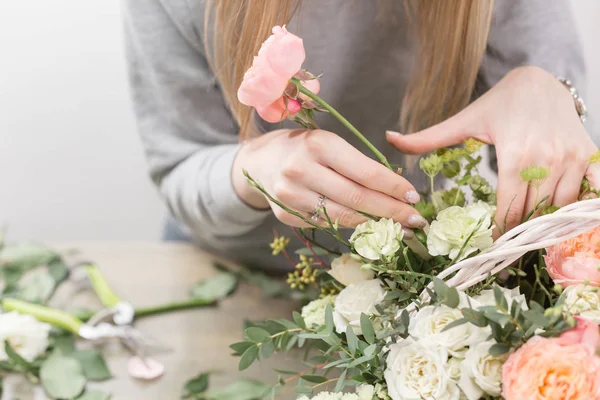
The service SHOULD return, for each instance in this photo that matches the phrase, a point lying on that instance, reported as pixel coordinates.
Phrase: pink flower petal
(146, 369)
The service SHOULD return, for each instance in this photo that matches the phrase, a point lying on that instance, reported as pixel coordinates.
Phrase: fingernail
(393, 133)
(416, 221)
(409, 234)
(412, 197)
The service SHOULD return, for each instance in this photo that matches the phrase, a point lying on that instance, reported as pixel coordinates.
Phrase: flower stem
(344, 122)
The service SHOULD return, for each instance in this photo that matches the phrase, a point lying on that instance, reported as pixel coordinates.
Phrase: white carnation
(354, 300)
(347, 270)
(363, 392)
(429, 324)
(481, 372)
(375, 240)
(27, 336)
(583, 300)
(455, 225)
(417, 370)
(314, 312)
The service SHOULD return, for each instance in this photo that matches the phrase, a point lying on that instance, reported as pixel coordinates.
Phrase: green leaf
(64, 344)
(37, 288)
(214, 288)
(369, 351)
(243, 389)
(305, 251)
(94, 396)
(452, 299)
(500, 299)
(11, 276)
(19, 361)
(58, 270)
(498, 349)
(329, 318)
(475, 317)
(456, 323)
(257, 335)
(352, 339)
(241, 347)
(267, 349)
(27, 255)
(197, 385)
(367, 328)
(299, 320)
(341, 382)
(93, 364)
(314, 378)
(248, 357)
(286, 372)
(62, 377)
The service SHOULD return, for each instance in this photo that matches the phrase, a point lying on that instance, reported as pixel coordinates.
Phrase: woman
(381, 63)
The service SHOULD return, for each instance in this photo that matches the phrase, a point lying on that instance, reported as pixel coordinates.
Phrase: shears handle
(101, 287)
(58, 318)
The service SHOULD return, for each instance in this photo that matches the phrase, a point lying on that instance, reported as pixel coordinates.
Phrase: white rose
(429, 323)
(375, 240)
(487, 298)
(314, 312)
(416, 370)
(583, 300)
(455, 225)
(26, 335)
(363, 392)
(454, 366)
(481, 372)
(355, 299)
(347, 270)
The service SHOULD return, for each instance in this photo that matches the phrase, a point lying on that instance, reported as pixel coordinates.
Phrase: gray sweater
(191, 139)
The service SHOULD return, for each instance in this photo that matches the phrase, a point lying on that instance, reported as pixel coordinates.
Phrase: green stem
(159, 309)
(344, 122)
(49, 315)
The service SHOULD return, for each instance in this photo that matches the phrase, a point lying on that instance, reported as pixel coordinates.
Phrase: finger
(369, 173)
(511, 194)
(543, 196)
(354, 196)
(593, 175)
(450, 132)
(568, 187)
(306, 201)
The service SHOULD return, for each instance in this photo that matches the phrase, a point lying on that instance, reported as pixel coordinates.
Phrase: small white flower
(429, 324)
(583, 300)
(481, 372)
(314, 312)
(455, 225)
(486, 297)
(355, 299)
(27, 336)
(363, 392)
(454, 366)
(347, 270)
(416, 370)
(375, 240)
(381, 392)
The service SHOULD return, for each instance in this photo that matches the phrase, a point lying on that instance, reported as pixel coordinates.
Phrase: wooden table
(153, 273)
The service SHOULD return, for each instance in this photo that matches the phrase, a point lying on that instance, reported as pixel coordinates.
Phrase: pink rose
(555, 369)
(279, 59)
(575, 260)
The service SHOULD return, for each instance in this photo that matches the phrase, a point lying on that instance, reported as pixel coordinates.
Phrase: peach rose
(555, 369)
(575, 260)
(279, 59)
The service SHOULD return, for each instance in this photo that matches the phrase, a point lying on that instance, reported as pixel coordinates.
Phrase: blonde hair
(451, 35)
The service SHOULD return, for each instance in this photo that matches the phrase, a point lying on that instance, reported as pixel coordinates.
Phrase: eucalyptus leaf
(314, 378)
(498, 349)
(58, 270)
(329, 318)
(215, 288)
(243, 389)
(299, 320)
(351, 339)
(37, 288)
(241, 347)
(27, 255)
(248, 357)
(93, 364)
(94, 396)
(305, 251)
(341, 382)
(257, 335)
(62, 377)
(197, 385)
(64, 344)
(19, 362)
(367, 328)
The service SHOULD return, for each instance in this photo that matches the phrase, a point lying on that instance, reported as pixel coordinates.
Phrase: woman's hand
(531, 119)
(298, 166)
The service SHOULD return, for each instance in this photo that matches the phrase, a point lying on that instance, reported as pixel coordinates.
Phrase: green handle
(104, 292)
(58, 318)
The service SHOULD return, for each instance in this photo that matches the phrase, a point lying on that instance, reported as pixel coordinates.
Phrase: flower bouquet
(442, 312)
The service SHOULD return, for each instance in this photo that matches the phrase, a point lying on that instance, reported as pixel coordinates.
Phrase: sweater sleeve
(189, 136)
(534, 32)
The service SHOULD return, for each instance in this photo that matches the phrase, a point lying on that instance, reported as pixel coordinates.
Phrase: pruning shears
(120, 313)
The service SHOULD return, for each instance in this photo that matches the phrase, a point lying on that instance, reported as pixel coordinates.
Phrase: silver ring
(316, 214)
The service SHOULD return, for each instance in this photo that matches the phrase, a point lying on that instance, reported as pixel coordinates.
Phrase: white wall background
(71, 164)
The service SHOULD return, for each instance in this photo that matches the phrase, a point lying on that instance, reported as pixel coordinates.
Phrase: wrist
(249, 195)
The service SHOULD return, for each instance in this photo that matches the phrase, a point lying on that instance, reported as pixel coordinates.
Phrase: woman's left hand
(531, 119)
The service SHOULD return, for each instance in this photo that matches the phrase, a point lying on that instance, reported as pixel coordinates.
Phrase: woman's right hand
(298, 166)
